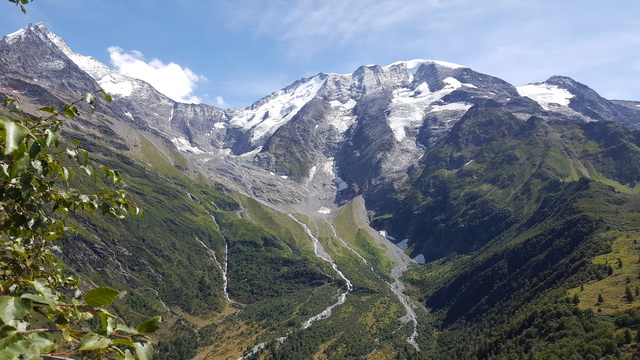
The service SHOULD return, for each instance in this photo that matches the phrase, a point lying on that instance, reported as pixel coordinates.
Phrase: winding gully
(342, 297)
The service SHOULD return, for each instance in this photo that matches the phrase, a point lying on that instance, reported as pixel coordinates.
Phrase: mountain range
(415, 210)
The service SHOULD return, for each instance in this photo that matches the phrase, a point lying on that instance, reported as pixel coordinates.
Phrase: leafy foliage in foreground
(37, 320)
(21, 4)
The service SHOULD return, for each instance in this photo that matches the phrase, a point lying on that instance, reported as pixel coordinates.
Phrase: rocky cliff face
(355, 134)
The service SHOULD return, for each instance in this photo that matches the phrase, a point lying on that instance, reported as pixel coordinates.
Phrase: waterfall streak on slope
(335, 234)
(322, 254)
(222, 269)
(396, 287)
(225, 280)
(256, 349)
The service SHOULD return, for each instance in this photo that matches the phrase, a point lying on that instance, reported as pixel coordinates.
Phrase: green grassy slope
(511, 214)
(164, 263)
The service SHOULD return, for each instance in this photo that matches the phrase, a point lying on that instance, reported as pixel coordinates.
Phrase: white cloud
(309, 27)
(518, 40)
(220, 101)
(171, 79)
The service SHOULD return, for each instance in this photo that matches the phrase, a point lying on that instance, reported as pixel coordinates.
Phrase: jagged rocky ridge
(364, 129)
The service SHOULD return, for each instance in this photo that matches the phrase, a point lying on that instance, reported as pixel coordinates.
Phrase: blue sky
(230, 53)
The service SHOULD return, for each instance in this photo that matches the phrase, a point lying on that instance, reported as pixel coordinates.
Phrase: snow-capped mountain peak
(264, 117)
(413, 65)
(110, 80)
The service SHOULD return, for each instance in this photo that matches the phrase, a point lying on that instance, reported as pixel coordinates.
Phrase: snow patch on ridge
(330, 168)
(110, 80)
(11, 38)
(413, 65)
(409, 107)
(340, 184)
(404, 244)
(277, 109)
(460, 106)
(115, 86)
(546, 95)
(343, 117)
(183, 145)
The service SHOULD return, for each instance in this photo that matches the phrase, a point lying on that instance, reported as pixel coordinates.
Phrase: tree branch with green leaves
(21, 4)
(36, 197)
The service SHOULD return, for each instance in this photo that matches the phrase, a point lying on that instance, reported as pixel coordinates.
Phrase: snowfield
(547, 96)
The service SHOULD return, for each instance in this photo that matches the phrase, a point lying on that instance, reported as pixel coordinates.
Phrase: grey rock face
(332, 135)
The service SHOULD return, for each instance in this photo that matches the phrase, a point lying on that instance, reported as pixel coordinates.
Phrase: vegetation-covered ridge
(511, 214)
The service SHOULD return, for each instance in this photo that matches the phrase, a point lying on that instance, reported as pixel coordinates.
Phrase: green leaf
(150, 326)
(126, 342)
(52, 138)
(144, 351)
(21, 160)
(126, 329)
(42, 341)
(85, 157)
(70, 114)
(49, 109)
(8, 101)
(44, 288)
(6, 332)
(107, 97)
(9, 335)
(34, 150)
(51, 237)
(13, 308)
(87, 169)
(23, 350)
(93, 341)
(128, 355)
(13, 134)
(108, 323)
(35, 298)
(101, 296)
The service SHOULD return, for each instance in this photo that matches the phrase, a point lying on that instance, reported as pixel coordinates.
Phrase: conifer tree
(628, 295)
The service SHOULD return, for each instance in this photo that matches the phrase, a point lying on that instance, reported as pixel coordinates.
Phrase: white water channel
(223, 268)
(396, 287)
(322, 254)
(335, 234)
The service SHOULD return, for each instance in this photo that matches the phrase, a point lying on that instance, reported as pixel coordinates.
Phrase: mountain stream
(396, 287)
(222, 268)
(322, 254)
